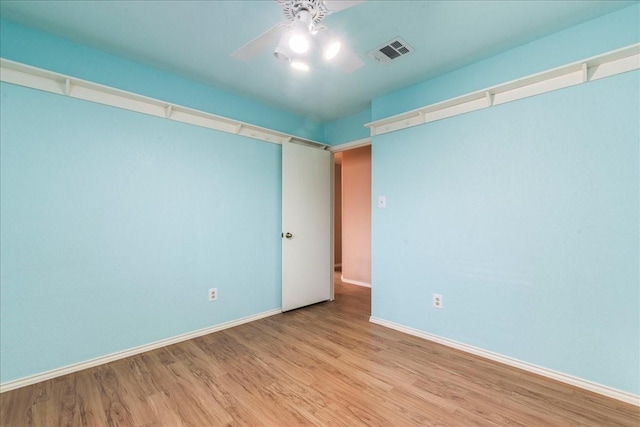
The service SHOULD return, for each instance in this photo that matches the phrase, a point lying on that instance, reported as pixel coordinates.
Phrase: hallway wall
(356, 215)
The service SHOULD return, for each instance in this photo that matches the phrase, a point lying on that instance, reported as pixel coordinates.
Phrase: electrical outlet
(213, 294)
(437, 301)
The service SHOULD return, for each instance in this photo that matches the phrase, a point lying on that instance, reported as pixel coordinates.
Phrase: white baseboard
(33, 379)
(558, 376)
(355, 282)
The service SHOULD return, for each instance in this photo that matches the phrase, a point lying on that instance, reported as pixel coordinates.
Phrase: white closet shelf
(598, 67)
(49, 81)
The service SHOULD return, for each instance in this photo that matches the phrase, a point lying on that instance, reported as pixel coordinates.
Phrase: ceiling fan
(299, 40)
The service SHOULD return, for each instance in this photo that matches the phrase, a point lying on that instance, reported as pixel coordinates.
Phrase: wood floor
(321, 365)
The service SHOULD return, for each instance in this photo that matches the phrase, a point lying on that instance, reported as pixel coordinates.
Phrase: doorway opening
(352, 217)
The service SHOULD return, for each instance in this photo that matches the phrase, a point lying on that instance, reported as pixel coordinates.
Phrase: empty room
(320, 212)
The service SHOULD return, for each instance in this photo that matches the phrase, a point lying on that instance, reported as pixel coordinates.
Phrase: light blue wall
(114, 225)
(39, 49)
(347, 129)
(613, 31)
(525, 217)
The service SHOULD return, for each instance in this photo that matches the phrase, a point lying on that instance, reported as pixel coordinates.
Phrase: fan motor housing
(316, 8)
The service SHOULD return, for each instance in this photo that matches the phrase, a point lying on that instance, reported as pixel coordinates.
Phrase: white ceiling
(194, 39)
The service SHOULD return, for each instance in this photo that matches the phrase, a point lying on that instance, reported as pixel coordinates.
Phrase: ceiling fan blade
(266, 40)
(338, 5)
(348, 60)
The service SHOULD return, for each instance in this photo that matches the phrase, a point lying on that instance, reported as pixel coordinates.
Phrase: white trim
(598, 67)
(350, 145)
(33, 379)
(355, 282)
(555, 375)
(332, 188)
(49, 81)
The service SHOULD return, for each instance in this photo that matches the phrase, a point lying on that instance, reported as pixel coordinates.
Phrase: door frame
(333, 149)
(337, 149)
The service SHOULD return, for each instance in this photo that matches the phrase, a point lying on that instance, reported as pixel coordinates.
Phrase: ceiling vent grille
(391, 50)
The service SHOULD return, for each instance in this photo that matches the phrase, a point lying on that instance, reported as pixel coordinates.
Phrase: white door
(306, 226)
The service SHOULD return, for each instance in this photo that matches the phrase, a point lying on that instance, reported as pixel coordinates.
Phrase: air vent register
(390, 51)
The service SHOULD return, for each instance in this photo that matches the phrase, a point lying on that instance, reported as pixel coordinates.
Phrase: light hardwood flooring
(321, 365)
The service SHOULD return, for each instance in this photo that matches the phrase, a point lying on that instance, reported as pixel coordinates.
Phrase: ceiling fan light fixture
(281, 55)
(299, 65)
(303, 36)
(332, 50)
(299, 37)
(282, 51)
(299, 43)
(329, 43)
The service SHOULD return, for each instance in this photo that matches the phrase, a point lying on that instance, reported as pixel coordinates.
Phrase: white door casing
(306, 216)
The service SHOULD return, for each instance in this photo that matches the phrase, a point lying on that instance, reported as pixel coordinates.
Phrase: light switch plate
(382, 202)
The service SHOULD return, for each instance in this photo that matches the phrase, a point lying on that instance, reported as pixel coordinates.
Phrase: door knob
(288, 235)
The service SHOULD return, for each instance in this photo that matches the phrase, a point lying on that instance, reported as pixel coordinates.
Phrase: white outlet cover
(437, 301)
(213, 294)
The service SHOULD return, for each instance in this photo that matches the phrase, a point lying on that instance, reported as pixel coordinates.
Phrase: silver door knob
(288, 235)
